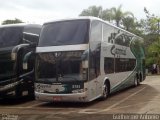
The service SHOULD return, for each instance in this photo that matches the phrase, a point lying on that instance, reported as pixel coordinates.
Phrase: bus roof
(90, 18)
(27, 28)
(19, 25)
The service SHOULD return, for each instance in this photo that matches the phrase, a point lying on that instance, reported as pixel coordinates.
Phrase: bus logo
(118, 51)
(57, 90)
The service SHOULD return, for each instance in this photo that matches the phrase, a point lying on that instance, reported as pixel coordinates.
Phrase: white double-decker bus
(86, 58)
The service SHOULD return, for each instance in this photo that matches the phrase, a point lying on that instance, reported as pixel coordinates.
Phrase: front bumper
(75, 97)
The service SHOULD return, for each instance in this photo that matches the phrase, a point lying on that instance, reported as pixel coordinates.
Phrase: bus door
(95, 50)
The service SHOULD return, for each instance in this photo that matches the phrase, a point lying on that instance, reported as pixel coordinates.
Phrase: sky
(40, 11)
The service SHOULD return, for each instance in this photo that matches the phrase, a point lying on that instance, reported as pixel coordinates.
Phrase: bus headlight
(39, 90)
(78, 91)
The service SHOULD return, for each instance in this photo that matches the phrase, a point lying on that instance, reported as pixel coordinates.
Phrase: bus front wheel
(136, 81)
(105, 91)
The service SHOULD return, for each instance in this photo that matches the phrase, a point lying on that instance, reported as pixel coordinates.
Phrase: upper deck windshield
(10, 36)
(69, 32)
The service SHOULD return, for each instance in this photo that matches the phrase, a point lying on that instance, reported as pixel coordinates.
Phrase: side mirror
(33, 44)
(26, 58)
(16, 49)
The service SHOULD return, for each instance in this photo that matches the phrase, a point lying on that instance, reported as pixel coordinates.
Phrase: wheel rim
(105, 92)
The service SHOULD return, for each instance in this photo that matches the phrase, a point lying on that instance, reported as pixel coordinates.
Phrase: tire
(18, 92)
(105, 92)
(140, 77)
(31, 92)
(136, 81)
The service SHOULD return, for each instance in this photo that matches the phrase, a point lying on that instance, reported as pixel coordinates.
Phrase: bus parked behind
(16, 41)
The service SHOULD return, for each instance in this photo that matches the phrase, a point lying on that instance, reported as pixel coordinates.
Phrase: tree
(107, 15)
(12, 21)
(132, 25)
(153, 53)
(128, 23)
(92, 11)
(118, 14)
(152, 38)
(151, 23)
(97, 12)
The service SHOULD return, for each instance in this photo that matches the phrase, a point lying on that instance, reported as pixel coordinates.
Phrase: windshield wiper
(27, 41)
(66, 78)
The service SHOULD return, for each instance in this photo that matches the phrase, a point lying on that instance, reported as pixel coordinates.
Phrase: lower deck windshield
(60, 66)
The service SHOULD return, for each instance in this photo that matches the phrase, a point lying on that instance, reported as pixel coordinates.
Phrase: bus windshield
(61, 66)
(69, 32)
(10, 36)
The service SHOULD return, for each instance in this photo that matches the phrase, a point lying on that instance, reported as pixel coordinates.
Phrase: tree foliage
(92, 11)
(153, 55)
(152, 38)
(148, 28)
(118, 14)
(114, 15)
(12, 21)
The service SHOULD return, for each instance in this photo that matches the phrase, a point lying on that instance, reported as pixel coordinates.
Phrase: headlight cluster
(39, 90)
(84, 74)
(78, 91)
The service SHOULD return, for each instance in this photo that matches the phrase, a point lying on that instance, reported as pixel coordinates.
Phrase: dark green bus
(16, 42)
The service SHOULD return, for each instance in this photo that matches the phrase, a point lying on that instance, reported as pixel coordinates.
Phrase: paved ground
(128, 104)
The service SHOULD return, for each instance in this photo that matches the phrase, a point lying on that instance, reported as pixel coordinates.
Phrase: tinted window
(10, 36)
(94, 64)
(30, 38)
(96, 31)
(124, 64)
(122, 39)
(32, 28)
(95, 49)
(65, 33)
(31, 33)
(109, 65)
(108, 34)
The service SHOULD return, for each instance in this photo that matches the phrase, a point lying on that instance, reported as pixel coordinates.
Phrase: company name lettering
(120, 51)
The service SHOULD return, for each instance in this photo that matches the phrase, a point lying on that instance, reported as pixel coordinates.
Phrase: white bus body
(80, 60)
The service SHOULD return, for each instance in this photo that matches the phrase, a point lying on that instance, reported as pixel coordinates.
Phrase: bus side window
(95, 49)
(108, 65)
(94, 64)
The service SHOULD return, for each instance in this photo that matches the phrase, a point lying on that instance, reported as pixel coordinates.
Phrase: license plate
(57, 98)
